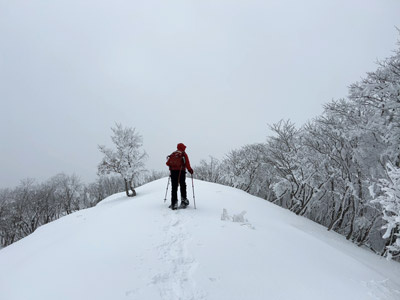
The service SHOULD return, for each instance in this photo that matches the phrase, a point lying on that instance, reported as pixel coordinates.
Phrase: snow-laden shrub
(390, 202)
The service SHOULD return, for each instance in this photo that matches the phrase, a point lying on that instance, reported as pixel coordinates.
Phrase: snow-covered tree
(293, 173)
(390, 202)
(349, 158)
(209, 170)
(380, 92)
(127, 159)
(241, 167)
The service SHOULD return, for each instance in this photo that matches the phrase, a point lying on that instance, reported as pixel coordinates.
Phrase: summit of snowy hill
(233, 246)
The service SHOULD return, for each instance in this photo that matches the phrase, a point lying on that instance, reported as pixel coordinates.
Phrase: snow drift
(233, 246)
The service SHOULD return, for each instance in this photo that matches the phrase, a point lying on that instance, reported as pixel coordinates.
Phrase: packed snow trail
(176, 282)
(171, 277)
(234, 246)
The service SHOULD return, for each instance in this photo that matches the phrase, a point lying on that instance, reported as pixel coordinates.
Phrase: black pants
(178, 177)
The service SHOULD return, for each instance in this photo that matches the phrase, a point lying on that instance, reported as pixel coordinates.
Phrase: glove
(191, 171)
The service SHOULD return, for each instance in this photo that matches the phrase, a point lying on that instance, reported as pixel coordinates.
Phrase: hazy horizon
(210, 74)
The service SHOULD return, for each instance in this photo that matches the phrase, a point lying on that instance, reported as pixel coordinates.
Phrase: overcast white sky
(211, 74)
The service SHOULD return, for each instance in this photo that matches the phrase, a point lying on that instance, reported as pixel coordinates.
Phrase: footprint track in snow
(176, 282)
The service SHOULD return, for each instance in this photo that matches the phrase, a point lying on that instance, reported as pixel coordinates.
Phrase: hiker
(178, 162)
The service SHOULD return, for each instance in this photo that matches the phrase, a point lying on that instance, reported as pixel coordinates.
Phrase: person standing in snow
(178, 162)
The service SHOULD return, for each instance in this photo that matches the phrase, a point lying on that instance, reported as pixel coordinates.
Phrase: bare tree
(103, 187)
(68, 192)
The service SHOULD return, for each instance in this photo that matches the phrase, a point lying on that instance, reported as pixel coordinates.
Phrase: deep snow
(137, 248)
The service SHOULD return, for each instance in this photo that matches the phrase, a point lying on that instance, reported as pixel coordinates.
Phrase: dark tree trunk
(130, 191)
(352, 218)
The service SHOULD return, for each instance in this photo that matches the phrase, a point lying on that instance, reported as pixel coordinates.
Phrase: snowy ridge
(234, 246)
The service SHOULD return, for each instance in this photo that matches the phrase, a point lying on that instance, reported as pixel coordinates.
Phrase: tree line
(29, 205)
(341, 170)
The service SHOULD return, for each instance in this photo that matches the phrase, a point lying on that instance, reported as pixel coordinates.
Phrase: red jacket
(181, 148)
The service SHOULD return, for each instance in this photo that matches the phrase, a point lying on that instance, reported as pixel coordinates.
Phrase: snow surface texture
(137, 248)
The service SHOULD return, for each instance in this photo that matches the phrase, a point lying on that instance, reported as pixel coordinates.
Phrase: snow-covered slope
(137, 248)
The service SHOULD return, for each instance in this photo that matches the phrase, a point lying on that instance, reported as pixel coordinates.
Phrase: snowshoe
(184, 203)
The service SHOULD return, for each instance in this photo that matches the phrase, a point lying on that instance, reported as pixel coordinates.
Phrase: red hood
(181, 147)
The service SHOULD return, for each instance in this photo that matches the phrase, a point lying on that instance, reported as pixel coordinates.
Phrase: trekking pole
(166, 192)
(194, 199)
